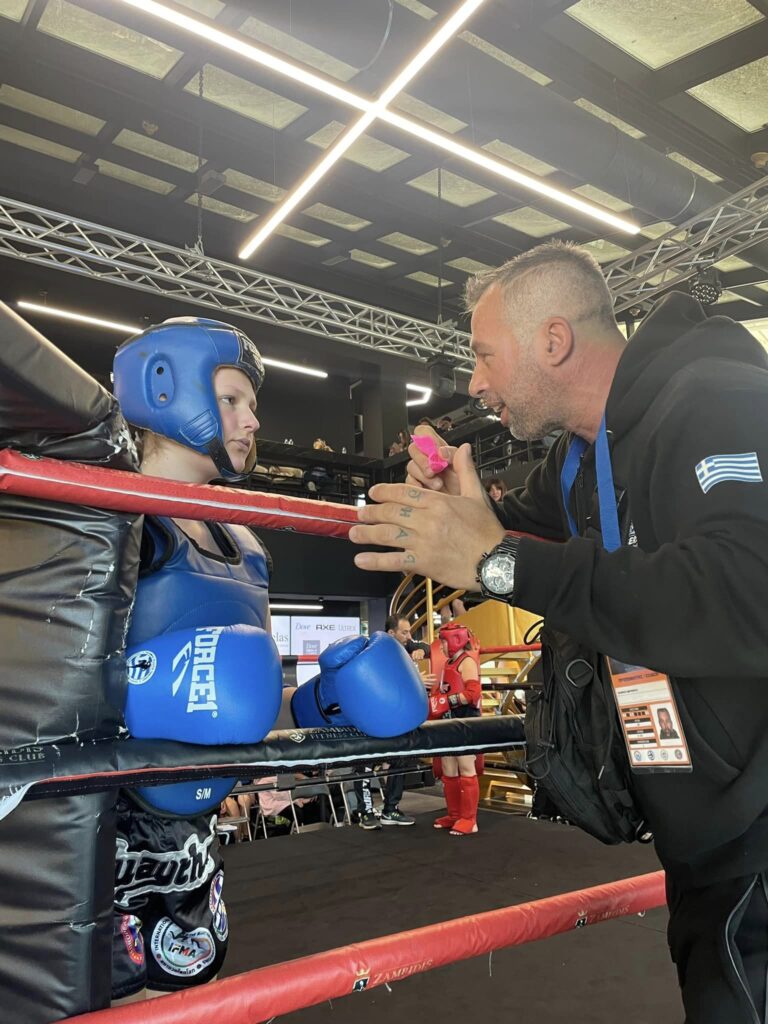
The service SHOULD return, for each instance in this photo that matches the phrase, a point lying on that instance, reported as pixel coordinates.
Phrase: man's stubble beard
(535, 419)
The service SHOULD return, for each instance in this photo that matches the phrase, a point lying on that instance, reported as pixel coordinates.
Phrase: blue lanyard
(606, 494)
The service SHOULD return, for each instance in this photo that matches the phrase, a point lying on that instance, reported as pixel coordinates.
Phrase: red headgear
(455, 635)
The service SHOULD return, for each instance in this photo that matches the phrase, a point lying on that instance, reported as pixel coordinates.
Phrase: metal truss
(737, 223)
(55, 240)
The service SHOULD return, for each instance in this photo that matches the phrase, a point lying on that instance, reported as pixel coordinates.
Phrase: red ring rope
(511, 649)
(71, 482)
(273, 991)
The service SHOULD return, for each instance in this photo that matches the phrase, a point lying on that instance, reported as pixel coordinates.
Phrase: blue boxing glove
(371, 684)
(213, 685)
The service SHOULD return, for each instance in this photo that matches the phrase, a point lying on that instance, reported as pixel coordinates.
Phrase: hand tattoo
(403, 533)
(405, 512)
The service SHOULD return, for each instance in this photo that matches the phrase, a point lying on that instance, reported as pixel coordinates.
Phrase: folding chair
(317, 790)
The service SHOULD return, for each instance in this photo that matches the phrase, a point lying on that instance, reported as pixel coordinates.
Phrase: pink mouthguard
(428, 446)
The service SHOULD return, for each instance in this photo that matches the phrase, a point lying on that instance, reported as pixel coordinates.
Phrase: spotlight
(706, 286)
(442, 376)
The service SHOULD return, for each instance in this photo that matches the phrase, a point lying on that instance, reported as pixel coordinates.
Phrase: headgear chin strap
(455, 635)
(164, 382)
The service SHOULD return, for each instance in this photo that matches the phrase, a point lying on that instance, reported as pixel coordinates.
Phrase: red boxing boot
(452, 788)
(466, 825)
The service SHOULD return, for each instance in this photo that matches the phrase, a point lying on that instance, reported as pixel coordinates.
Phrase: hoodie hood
(676, 333)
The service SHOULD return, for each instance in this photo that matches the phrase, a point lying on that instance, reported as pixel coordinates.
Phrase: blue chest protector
(184, 587)
(181, 587)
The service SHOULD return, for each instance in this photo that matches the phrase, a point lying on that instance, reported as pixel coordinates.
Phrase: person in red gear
(457, 695)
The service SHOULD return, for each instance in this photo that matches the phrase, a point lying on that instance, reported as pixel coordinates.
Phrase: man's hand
(419, 473)
(418, 654)
(430, 681)
(442, 536)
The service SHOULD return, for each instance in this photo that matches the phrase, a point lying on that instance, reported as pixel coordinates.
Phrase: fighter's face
(237, 408)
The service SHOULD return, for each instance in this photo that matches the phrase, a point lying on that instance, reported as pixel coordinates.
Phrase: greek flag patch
(717, 469)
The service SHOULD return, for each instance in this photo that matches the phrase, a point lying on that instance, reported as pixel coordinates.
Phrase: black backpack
(575, 748)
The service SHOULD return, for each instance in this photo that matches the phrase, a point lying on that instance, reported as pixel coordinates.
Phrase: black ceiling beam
(570, 53)
(712, 61)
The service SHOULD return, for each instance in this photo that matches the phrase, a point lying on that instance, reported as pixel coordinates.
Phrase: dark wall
(321, 567)
(304, 408)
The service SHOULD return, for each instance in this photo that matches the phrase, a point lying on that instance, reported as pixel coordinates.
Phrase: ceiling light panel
(518, 158)
(366, 152)
(48, 110)
(657, 32)
(428, 114)
(130, 177)
(740, 95)
(370, 259)
(453, 188)
(408, 243)
(605, 115)
(596, 195)
(732, 263)
(429, 279)
(297, 235)
(13, 9)
(223, 209)
(468, 266)
(108, 39)
(657, 230)
(156, 150)
(246, 98)
(38, 145)
(604, 251)
(253, 186)
(417, 7)
(208, 8)
(339, 218)
(298, 50)
(531, 222)
(504, 58)
(702, 172)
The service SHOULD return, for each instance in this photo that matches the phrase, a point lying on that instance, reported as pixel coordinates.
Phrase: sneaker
(369, 820)
(396, 817)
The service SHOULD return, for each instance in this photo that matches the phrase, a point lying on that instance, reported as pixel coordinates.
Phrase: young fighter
(202, 665)
(457, 695)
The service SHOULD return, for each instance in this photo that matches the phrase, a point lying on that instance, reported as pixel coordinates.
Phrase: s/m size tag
(653, 733)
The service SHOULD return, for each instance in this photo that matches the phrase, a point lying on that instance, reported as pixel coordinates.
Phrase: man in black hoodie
(680, 416)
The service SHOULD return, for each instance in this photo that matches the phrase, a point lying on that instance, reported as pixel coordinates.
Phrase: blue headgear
(164, 381)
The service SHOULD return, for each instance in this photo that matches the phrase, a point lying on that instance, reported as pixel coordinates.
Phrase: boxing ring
(73, 769)
(63, 747)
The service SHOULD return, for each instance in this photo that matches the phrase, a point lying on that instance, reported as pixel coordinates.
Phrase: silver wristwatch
(496, 570)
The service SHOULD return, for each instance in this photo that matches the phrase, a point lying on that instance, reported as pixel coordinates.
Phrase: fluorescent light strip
(295, 607)
(305, 186)
(488, 163)
(236, 44)
(294, 368)
(82, 318)
(426, 394)
(446, 32)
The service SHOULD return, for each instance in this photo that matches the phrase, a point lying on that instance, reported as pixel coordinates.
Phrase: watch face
(498, 574)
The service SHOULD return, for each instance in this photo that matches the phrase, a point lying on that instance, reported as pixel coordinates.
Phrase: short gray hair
(556, 278)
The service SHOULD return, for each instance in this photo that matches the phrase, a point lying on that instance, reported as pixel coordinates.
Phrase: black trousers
(393, 792)
(718, 937)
